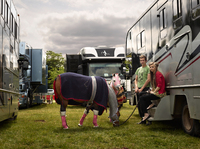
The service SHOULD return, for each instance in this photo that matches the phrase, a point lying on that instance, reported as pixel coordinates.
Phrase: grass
(40, 127)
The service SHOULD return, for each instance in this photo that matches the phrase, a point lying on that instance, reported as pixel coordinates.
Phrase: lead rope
(131, 113)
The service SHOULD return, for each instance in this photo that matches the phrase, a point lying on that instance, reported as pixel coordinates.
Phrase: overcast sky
(66, 26)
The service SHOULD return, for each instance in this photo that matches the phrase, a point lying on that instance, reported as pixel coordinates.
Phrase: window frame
(195, 9)
(163, 23)
(177, 19)
(141, 41)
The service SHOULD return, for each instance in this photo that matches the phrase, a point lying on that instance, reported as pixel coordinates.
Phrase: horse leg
(63, 102)
(83, 117)
(96, 112)
(63, 115)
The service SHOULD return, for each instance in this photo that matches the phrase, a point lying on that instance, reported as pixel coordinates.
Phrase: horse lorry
(9, 73)
(33, 77)
(98, 61)
(168, 32)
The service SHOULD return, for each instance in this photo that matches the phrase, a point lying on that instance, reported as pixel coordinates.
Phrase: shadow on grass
(127, 107)
(34, 107)
(169, 127)
(83, 129)
(75, 107)
(6, 124)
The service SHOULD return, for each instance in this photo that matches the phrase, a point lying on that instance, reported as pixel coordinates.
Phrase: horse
(71, 86)
(118, 88)
(115, 84)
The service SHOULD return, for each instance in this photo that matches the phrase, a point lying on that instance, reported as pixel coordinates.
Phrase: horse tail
(55, 91)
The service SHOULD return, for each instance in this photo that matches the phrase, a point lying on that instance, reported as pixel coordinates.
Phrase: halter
(115, 118)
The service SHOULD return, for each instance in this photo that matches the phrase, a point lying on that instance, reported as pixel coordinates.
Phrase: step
(152, 111)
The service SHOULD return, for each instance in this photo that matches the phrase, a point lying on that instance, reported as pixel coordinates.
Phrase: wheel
(31, 100)
(27, 102)
(190, 126)
(15, 117)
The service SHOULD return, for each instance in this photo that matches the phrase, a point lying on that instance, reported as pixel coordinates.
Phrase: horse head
(118, 88)
(115, 82)
(115, 119)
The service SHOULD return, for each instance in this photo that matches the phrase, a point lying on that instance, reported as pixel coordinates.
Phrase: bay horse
(71, 86)
(115, 84)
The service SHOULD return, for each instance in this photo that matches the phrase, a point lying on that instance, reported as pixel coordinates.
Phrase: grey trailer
(168, 32)
(9, 73)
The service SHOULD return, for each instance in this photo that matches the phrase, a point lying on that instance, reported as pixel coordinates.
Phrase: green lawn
(40, 127)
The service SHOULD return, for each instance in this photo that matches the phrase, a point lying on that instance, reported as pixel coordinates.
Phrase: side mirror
(29, 71)
(123, 68)
(126, 70)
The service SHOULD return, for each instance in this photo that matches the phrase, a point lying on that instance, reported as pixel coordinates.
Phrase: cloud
(72, 32)
(65, 26)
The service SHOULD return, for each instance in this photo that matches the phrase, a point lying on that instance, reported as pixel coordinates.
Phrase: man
(142, 80)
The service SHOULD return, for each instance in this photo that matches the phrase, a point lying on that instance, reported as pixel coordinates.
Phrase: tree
(55, 63)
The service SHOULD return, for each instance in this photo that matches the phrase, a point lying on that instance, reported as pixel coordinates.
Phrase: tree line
(55, 62)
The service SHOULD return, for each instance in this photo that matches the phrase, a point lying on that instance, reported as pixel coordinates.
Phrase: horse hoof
(96, 126)
(80, 125)
(65, 127)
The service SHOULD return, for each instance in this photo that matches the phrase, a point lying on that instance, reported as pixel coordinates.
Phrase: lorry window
(128, 43)
(6, 50)
(195, 8)
(141, 40)
(177, 9)
(11, 57)
(177, 13)
(104, 69)
(163, 23)
(195, 3)
(138, 41)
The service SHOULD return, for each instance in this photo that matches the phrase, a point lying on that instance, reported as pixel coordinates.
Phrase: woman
(157, 92)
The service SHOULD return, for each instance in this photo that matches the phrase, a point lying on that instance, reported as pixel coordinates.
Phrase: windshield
(104, 69)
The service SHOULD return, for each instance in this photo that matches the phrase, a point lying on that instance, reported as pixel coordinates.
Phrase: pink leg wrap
(95, 121)
(64, 124)
(82, 119)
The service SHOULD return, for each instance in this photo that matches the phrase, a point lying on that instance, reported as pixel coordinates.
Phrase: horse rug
(79, 88)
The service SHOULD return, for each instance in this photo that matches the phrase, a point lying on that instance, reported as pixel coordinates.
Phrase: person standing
(142, 80)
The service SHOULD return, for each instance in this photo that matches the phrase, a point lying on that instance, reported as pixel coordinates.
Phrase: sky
(66, 26)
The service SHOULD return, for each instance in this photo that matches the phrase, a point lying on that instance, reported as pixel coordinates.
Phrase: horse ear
(113, 74)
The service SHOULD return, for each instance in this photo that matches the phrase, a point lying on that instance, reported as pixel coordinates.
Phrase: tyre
(190, 126)
(31, 100)
(15, 117)
(27, 102)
